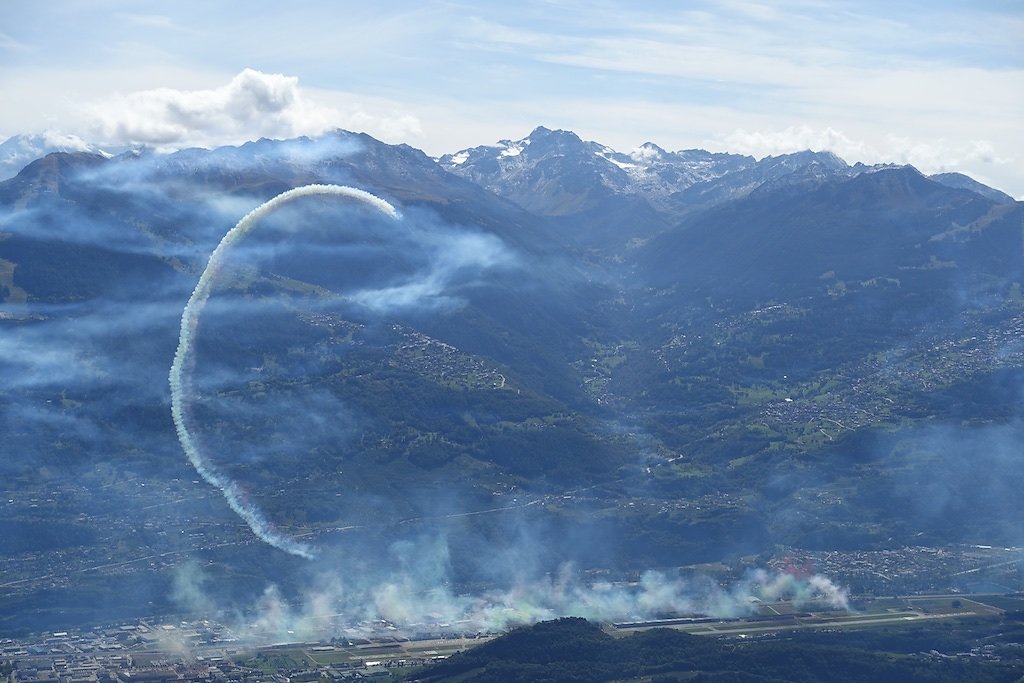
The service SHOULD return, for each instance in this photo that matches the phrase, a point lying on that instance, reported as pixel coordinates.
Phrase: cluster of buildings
(206, 652)
(104, 541)
(862, 392)
(443, 363)
(914, 569)
(132, 653)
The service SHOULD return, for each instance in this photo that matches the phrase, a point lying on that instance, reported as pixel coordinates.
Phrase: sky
(934, 83)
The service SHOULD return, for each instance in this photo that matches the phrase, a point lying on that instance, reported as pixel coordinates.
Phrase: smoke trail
(184, 358)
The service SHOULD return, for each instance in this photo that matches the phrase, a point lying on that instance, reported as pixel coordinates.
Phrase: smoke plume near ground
(420, 602)
(184, 360)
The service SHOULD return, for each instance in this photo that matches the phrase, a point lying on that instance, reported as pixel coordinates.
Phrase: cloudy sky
(935, 83)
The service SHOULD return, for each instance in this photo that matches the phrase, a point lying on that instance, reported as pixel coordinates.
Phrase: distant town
(154, 652)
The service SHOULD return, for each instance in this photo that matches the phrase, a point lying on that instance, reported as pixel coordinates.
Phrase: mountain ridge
(648, 171)
(808, 355)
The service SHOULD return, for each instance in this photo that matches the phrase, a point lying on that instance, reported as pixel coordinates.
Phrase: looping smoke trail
(184, 358)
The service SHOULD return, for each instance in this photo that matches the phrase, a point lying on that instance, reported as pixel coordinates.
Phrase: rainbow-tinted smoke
(184, 359)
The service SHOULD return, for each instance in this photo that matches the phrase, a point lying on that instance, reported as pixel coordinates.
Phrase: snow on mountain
(18, 151)
(555, 173)
(549, 172)
(529, 169)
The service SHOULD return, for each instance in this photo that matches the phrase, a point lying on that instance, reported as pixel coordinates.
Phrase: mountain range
(563, 353)
(554, 173)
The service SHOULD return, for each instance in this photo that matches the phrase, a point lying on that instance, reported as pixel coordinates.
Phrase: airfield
(159, 652)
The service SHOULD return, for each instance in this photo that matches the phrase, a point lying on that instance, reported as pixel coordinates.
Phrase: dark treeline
(567, 650)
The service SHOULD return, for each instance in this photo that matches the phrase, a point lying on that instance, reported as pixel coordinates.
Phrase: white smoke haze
(310, 152)
(187, 217)
(65, 345)
(29, 365)
(451, 253)
(189, 211)
(985, 486)
(49, 417)
(423, 603)
(65, 225)
(316, 418)
(416, 591)
(137, 169)
(187, 588)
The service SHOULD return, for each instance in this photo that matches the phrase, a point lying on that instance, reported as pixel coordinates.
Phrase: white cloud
(943, 155)
(254, 104)
(872, 86)
(929, 156)
(65, 141)
(797, 138)
(620, 73)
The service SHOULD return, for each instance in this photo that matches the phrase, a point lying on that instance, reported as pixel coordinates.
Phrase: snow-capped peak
(647, 152)
(523, 170)
(514, 149)
(20, 150)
